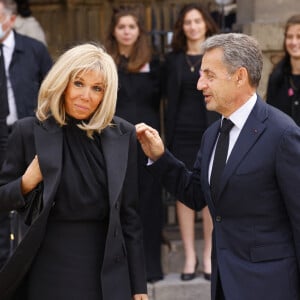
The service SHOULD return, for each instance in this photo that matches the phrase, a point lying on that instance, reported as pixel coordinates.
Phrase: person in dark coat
(139, 100)
(283, 90)
(27, 61)
(254, 203)
(186, 119)
(86, 242)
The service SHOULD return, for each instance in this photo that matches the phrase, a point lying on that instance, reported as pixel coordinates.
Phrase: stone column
(265, 21)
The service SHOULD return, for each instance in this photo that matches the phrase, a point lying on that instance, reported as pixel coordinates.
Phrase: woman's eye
(99, 89)
(78, 83)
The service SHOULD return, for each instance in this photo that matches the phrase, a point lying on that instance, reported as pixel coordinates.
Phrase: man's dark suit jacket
(30, 63)
(124, 244)
(256, 237)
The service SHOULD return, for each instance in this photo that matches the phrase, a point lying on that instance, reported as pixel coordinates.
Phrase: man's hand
(150, 141)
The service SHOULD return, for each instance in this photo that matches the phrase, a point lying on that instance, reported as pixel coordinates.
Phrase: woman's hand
(140, 297)
(32, 176)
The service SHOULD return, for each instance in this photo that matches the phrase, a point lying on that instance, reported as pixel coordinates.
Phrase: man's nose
(201, 83)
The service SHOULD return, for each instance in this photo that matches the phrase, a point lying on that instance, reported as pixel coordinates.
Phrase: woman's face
(83, 94)
(126, 31)
(194, 26)
(292, 41)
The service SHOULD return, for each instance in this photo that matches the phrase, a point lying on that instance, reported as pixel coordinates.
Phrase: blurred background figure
(25, 62)
(138, 100)
(27, 24)
(186, 118)
(283, 89)
(224, 14)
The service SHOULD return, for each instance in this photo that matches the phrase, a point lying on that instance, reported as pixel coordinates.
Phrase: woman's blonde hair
(79, 59)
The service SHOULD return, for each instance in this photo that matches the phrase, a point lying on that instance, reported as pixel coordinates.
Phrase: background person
(87, 241)
(283, 89)
(27, 24)
(255, 203)
(187, 119)
(139, 97)
(26, 62)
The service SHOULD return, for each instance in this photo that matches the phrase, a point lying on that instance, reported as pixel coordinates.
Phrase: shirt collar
(240, 116)
(9, 42)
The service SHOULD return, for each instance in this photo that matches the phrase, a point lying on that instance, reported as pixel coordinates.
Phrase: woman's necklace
(293, 89)
(192, 65)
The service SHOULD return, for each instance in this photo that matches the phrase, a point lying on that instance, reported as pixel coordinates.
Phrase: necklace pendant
(192, 69)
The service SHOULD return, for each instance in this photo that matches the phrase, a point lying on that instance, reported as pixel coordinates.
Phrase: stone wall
(67, 22)
(265, 21)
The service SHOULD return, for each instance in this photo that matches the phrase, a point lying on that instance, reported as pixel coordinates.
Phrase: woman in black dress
(86, 243)
(187, 118)
(283, 89)
(139, 101)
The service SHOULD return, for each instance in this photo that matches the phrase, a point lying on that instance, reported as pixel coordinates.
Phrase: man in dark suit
(256, 210)
(26, 63)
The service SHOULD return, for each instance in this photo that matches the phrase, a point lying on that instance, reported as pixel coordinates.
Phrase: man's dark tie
(3, 87)
(220, 157)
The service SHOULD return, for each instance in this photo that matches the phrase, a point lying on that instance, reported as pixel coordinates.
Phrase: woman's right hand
(32, 176)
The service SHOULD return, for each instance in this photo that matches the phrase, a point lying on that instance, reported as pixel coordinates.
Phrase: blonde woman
(86, 242)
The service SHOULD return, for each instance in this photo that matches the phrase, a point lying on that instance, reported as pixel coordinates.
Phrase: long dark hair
(284, 68)
(141, 52)
(179, 41)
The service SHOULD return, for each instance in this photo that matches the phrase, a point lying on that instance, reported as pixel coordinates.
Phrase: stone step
(173, 256)
(172, 288)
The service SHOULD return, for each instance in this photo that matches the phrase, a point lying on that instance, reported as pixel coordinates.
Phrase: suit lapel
(252, 130)
(210, 140)
(115, 150)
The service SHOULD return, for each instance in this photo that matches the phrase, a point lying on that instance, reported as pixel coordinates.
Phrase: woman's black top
(283, 90)
(68, 264)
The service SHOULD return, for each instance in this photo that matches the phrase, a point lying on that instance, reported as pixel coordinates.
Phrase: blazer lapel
(48, 142)
(115, 150)
(252, 130)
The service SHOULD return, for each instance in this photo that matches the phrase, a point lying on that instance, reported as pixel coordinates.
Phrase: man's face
(216, 84)
(6, 22)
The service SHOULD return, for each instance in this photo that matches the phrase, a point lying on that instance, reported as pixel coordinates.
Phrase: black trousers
(220, 292)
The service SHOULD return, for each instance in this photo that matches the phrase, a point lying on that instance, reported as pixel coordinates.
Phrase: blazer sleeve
(131, 223)
(288, 177)
(20, 152)
(185, 185)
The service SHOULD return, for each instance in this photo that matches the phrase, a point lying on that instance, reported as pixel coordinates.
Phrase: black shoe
(190, 276)
(207, 276)
(154, 279)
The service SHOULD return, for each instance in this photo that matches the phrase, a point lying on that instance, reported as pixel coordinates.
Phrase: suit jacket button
(53, 203)
(218, 218)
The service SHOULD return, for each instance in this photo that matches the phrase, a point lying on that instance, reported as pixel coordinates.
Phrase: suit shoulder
(25, 125)
(24, 42)
(279, 117)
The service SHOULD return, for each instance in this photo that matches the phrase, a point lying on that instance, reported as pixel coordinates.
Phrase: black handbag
(33, 204)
